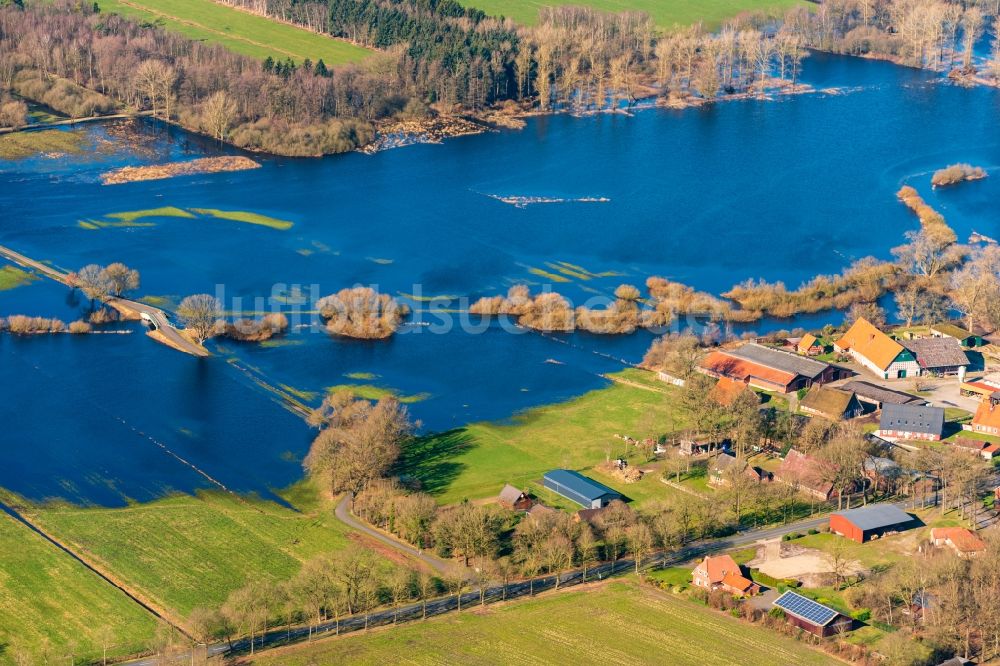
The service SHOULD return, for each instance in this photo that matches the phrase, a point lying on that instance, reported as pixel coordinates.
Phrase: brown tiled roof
(726, 390)
(737, 582)
(937, 352)
(723, 364)
(987, 415)
(719, 566)
(961, 538)
(871, 343)
(805, 471)
(807, 342)
(510, 494)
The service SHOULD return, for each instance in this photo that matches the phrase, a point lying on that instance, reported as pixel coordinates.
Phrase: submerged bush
(362, 312)
(24, 325)
(257, 330)
(79, 327)
(956, 173)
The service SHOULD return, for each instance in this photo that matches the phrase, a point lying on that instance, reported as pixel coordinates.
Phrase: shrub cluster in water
(957, 173)
(24, 325)
(361, 312)
(257, 330)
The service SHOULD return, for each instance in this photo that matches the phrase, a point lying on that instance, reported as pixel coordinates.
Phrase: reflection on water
(778, 190)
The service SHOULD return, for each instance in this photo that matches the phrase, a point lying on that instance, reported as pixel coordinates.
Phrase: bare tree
(201, 313)
(121, 279)
(217, 114)
(92, 281)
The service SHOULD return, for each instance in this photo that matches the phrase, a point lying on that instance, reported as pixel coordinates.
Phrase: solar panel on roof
(805, 608)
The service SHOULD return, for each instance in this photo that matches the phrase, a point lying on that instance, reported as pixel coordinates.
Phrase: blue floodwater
(780, 190)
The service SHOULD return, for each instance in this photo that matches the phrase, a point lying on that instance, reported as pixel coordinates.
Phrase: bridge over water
(162, 329)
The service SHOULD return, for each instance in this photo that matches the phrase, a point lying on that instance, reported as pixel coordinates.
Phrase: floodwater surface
(781, 190)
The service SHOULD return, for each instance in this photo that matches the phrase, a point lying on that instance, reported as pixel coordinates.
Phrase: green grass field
(665, 13)
(238, 31)
(47, 598)
(620, 623)
(475, 461)
(187, 551)
(27, 144)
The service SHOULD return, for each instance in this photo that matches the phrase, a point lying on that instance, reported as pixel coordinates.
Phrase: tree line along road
(490, 594)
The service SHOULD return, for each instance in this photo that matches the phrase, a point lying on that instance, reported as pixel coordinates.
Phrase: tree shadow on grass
(430, 459)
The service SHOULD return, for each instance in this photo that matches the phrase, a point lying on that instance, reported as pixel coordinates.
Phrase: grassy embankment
(238, 31)
(614, 623)
(50, 602)
(182, 552)
(26, 144)
(476, 460)
(665, 13)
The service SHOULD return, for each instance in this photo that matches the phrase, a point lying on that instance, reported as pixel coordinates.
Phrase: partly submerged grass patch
(19, 145)
(361, 376)
(131, 218)
(553, 277)
(372, 392)
(163, 211)
(301, 394)
(274, 343)
(12, 277)
(247, 217)
(166, 302)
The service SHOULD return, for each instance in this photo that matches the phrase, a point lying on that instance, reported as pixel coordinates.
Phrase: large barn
(575, 486)
(877, 352)
(768, 369)
(863, 523)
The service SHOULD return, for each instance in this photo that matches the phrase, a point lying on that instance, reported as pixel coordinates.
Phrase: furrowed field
(238, 31)
(475, 461)
(619, 623)
(665, 13)
(51, 605)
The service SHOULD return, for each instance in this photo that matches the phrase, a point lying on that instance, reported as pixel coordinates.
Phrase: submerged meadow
(778, 189)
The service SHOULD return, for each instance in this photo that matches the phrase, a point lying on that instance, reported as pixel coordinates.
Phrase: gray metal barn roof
(879, 393)
(876, 516)
(580, 485)
(912, 418)
(780, 360)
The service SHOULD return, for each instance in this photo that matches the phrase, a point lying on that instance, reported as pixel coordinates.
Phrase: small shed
(964, 337)
(809, 345)
(812, 616)
(580, 489)
(514, 499)
(870, 521)
(922, 422)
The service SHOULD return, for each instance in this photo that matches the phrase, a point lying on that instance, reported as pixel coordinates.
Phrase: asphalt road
(158, 316)
(343, 513)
